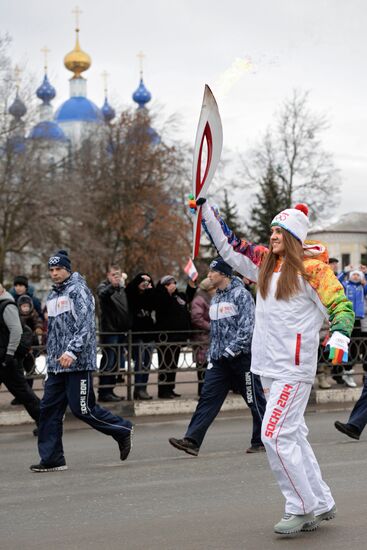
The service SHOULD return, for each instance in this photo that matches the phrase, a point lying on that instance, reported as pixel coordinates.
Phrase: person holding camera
(141, 296)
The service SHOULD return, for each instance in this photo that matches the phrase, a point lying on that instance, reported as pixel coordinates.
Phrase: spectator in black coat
(114, 322)
(173, 323)
(141, 299)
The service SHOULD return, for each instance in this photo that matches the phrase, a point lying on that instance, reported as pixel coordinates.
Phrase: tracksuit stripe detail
(277, 450)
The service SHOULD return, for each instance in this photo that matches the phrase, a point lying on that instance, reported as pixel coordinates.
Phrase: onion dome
(141, 96)
(78, 109)
(77, 61)
(17, 109)
(107, 111)
(46, 92)
(47, 130)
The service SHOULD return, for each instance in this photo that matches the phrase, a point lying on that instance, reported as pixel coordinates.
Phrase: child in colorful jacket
(295, 292)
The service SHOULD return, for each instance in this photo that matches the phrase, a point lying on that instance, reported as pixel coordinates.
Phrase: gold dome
(77, 61)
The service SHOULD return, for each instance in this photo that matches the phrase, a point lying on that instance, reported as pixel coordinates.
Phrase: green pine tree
(228, 212)
(269, 200)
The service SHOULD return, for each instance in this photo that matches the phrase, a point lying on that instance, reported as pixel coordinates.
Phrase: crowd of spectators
(161, 319)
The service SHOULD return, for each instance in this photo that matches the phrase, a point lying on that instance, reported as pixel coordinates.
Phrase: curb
(344, 397)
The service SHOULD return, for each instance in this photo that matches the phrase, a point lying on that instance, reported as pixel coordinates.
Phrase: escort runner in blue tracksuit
(232, 317)
(71, 360)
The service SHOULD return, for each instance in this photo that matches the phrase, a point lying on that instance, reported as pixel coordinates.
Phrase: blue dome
(107, 111)
(17, 108)
(47, 130)
(141, 96)
(46, 92)
(78, 109)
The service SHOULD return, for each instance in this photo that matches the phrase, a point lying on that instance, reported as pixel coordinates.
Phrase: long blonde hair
(292, 266)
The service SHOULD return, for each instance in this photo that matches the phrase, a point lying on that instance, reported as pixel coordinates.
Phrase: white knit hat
(354, 271)
(295, 221)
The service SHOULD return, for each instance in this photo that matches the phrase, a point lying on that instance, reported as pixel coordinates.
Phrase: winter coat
(71, 325)
(172, 312)
(286, 335)
(355, 292)
(232, 316)
(141, 307)
(114, 309)
(200, 320)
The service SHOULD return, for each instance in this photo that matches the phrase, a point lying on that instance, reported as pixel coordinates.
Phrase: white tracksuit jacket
(286, 335)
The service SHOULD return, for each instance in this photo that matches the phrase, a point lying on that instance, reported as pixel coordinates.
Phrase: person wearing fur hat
(296, 290)
(71, 360)
(200, 321)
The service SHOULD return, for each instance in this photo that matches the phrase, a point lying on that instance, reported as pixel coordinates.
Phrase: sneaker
(49, 467)
(35, 432)
(347, 429)
(256, 449)
(325, 516)
(291, 523)
(185, 445)
(349, 380)
(125, 445)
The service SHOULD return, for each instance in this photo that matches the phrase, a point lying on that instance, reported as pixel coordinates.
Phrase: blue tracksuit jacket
(71, 325)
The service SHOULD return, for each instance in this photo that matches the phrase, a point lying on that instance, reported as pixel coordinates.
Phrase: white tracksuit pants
(291, 458)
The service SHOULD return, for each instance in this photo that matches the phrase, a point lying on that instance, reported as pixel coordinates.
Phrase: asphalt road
(163, 499)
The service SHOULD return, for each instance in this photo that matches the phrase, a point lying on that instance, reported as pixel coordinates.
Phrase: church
(76, 119)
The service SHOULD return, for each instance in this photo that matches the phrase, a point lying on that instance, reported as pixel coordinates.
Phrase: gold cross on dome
(45, 51)
(141, 57)
(77, 11)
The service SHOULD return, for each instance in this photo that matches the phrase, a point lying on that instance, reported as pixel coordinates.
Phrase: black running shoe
(347, 429)
(60, 467)
(125, 445)
(186, 445)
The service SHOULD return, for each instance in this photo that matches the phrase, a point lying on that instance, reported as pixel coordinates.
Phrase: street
(163, 499)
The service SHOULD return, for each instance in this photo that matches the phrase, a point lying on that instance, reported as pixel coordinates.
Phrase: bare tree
(293, 150)
(124, 202)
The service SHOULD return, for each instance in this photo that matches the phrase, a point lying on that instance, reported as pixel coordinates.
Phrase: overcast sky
(316, 45)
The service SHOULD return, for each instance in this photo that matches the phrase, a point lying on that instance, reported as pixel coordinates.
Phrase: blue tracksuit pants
(76, 390)
(358, 416)
(219, 379)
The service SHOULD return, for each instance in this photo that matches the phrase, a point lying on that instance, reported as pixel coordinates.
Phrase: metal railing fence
(138, 360)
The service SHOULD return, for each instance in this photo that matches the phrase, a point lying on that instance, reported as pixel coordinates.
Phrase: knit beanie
(295, 221)
(218, 264)
(60, 259)
(354, 271)
(167, 279)
(21, 280)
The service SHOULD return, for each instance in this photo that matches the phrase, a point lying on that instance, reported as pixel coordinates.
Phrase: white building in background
(345, 238)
